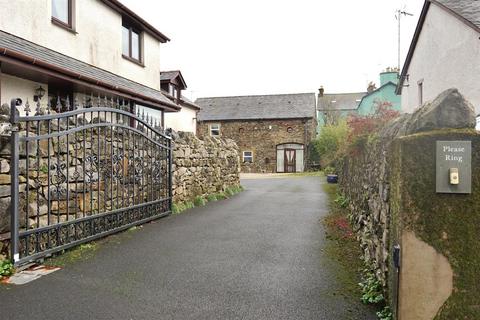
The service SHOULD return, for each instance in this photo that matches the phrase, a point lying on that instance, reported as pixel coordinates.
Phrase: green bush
(329, 170)
(199, 201)
(189, 205)
(178, 207)
(385, 314)
(372, 291)
(6, 268)
(229, 192)
(341, 200)
(221, 196)
(211, 197)
(332, 142)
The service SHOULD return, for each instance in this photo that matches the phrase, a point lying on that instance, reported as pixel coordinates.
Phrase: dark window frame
(130, 57)
(70, 26)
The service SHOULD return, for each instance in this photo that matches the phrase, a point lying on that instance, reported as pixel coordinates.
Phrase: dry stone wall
(372, 177)
(110, 180)
(203, 167)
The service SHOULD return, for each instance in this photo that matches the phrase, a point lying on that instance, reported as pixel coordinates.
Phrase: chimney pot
(321, 91)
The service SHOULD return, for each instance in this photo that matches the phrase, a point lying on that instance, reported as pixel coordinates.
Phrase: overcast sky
(245, 47)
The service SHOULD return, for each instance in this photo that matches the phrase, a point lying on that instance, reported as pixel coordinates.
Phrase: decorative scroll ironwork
(91, 169)
(117, 171)
(57, 179)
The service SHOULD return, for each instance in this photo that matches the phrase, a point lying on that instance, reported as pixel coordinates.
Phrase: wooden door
(290, 155)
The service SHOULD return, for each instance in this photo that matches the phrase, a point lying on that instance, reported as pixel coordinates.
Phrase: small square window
(248, 156)
(215, 129)
(62, 13)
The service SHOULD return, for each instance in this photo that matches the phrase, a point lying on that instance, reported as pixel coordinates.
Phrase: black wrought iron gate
(82, 172)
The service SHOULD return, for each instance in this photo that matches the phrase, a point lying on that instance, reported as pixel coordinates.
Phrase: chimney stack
(321, 91)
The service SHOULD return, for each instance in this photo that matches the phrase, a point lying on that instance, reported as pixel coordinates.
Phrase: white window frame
(211, 129)
(245, 156)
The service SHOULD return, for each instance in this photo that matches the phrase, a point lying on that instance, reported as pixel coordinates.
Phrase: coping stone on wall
(449, 110)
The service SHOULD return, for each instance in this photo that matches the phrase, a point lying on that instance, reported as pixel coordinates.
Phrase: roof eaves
(416, 36)
(411, 50)
(456, 14)
(376, 90)
(255, 119)
(175, 74)
(122, 9)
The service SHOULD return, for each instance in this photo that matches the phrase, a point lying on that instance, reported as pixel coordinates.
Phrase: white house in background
(444, 53)
(172, 84)
(78, 48)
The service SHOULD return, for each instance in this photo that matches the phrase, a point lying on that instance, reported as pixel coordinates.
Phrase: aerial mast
(399, 18)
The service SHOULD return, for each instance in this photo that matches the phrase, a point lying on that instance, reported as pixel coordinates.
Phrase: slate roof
(9, 42)
(467, 9)
(168, 75)
(279, 106)
(171, 75)
(340, 101)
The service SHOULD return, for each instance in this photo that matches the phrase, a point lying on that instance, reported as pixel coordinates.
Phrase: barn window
(289, 129)
(215, 129)
(248, 156)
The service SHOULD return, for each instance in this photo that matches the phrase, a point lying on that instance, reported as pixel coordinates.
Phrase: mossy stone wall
(450, 223)
(390, 182)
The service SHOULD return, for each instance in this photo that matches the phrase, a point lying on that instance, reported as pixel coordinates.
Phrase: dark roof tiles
(279, 106)
(340, 101)
(468, 9)
(54, 58)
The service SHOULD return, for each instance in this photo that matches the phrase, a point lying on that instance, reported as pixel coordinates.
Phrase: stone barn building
(272, 131)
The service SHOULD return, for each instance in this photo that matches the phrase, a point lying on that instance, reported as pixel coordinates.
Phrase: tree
(329, 114)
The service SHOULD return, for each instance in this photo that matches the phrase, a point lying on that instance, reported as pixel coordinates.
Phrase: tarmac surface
(258, 255)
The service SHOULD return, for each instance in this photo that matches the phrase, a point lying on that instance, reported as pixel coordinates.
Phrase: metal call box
(454, 167)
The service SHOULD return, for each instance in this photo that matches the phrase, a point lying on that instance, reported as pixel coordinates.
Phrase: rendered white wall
(446, 56)
(97, 41)
(13, 87)
(185, 120)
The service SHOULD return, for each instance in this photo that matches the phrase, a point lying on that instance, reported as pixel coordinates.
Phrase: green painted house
(331, 107)
(386, 92)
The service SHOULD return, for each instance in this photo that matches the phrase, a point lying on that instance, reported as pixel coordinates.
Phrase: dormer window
(131, 43)
(62, 13)
(173, 91)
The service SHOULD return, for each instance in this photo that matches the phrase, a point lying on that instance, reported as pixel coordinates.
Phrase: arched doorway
(290, 157)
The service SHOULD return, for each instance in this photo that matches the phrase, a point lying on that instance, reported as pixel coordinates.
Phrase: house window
(215, 129)
(420, 92)
(248, 156)
(173, 91)
(62, 13)
(131, 43)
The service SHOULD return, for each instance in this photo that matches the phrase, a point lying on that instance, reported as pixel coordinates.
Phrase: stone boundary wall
(389, 179)
(200, 168)
(203, 167)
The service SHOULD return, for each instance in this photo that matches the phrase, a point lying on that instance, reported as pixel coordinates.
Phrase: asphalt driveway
(255, 256)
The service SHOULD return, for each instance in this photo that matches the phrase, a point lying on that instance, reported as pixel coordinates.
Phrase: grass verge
(343, 247)
(199, 201)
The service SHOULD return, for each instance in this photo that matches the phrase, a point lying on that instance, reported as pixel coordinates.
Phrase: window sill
(133, 60)
(63, 25)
